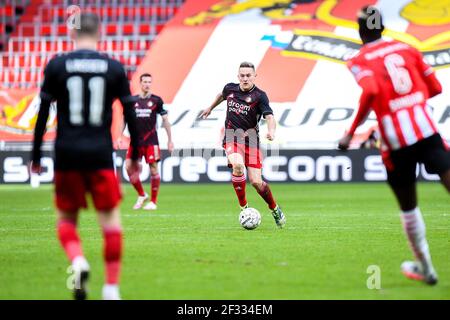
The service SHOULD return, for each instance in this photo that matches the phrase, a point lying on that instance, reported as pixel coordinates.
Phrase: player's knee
(134, 177)
(154, 171)
(257, 184)
(69, 215)
(238, 169)
(128, 167)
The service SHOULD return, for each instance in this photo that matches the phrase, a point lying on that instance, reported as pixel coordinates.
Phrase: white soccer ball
(250, 218)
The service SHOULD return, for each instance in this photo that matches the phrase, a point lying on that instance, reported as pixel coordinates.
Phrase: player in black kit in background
(147, 107)
(84, 84)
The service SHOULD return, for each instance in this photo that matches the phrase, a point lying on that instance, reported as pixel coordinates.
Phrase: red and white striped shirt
(396, 84)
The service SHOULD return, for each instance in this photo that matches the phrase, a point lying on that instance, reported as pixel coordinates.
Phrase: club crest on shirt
(150, 103)
(248, 99)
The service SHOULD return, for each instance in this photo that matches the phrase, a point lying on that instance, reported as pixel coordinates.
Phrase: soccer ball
(250, 218)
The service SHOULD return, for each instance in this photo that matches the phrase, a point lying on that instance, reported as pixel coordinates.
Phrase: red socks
(67, 234)
(263, 191)
(239, 188)
(266, 194)
(136, 182)
(69, 239)
(156, 181)
(112, 254)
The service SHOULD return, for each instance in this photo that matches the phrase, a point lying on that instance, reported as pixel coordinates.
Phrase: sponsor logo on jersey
(238, 108)
(143, 113)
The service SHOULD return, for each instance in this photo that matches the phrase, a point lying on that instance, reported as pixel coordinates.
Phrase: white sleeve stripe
(428, 71)
(362, 74)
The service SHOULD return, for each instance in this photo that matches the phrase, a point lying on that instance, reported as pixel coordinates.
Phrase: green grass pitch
(194, 248)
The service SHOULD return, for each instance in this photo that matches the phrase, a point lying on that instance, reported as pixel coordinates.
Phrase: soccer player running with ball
(246, 103)
(84, 84)
(396, 84)
(147, 107)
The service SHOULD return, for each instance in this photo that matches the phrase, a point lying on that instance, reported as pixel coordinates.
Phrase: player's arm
(121, 128)
(128, 101)
(166, 124)
(370, 90)
(46, 96)
(218, 100)
(168, 127)
(267, 113)
(428, 75)
(271, 126)
(130, 118)
(433, 84)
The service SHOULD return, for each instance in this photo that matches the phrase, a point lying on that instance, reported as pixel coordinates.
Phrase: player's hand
(344, 143)
(117, 144)
(170, 146)
(35, 168)
(205, 113)
(270, 136)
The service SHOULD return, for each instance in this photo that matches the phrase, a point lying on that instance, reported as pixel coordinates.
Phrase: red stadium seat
(62, 30)
(46, 30)
(129, 27)
(144, 29)
(159, 28)
(111, 29)
(7, 11)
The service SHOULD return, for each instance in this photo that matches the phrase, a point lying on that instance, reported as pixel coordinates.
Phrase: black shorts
(430, 151)
(71, 159)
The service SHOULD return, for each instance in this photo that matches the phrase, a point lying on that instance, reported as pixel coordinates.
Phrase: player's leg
(432, 152)
(106, 196)
(415, 230)
(436, 157)
(137, 184)
(112, 251)
(401, 178)
(68, 234)
(263, 189)
(236, 161)
(69, 198)
(445, 179)
(155, 181)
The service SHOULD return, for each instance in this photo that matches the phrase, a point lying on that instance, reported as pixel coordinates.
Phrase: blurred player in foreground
(245, 105)
(396, 84)
(84, 84)
(147, 107)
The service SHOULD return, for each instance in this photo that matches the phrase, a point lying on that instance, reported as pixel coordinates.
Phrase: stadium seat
(129, 27)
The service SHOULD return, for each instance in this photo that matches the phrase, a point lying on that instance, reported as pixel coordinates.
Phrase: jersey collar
(252, 88)
(146, 97)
